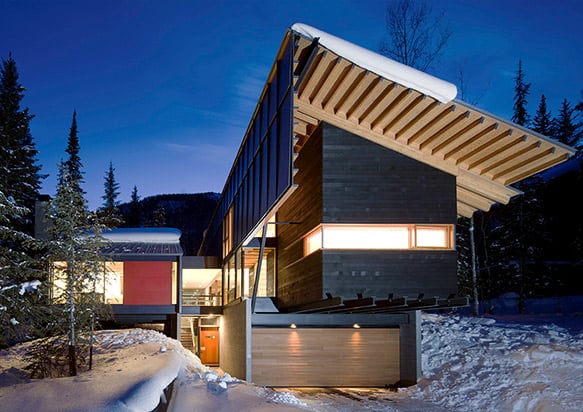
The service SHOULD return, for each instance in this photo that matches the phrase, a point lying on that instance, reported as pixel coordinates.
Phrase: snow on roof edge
(407, 76)
(143, 234)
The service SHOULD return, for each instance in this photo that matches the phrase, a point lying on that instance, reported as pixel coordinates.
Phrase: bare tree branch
(415, 36)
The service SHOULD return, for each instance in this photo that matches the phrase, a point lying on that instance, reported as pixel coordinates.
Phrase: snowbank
(469, 364)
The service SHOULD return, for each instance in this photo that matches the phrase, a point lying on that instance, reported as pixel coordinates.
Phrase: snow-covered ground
(503, 363)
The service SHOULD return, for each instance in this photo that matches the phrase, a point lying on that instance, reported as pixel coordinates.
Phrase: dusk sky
(165, 89)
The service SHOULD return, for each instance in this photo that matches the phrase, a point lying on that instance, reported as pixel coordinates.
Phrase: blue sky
(165, 89)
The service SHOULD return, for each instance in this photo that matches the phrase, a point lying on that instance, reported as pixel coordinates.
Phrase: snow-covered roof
(143, 235)
(381, 65)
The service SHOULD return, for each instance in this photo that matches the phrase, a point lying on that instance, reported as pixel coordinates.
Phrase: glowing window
(378, 237)
(313, 241)
(431, 236)
(365, 237)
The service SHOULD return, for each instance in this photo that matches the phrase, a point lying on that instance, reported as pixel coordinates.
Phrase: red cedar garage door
(325, 357)
(147, 283)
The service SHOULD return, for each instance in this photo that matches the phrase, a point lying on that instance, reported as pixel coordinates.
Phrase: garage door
(325, 357)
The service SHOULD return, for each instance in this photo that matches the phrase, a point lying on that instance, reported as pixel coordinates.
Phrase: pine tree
(135, 216)
(567, 129)
(109, 212)
(20, 177)
(542, 122)
(79, 269)
(521, 91)
(517, 241)
(464, 246)
(21, 277)
(73, 164)
(159, 217)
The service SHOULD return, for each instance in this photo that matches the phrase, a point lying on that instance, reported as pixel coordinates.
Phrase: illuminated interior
(201, 287)
(240, 268)
(110, 283)
(379, 237)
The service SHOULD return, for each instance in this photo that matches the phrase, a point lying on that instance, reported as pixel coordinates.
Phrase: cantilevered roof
(415, 114)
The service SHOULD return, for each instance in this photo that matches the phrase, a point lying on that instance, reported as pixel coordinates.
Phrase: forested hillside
(190, 213)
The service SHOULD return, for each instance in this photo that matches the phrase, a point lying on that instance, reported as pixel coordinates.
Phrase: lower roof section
(129, 243)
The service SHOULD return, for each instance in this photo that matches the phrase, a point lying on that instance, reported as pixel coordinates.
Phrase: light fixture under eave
(356, 326)
(293, 326)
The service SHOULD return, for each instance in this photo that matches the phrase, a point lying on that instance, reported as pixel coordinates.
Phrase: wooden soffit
(485, 153)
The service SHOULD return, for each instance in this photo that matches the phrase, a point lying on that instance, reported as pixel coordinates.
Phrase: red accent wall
(147, 283)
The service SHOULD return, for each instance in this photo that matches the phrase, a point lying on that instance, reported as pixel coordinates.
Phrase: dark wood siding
(378, 273)
(344, 178)
(366, 183)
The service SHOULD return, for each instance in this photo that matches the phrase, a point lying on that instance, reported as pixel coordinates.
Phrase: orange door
(209, 346)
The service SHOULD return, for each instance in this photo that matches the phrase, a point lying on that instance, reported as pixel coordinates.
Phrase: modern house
(336, 224)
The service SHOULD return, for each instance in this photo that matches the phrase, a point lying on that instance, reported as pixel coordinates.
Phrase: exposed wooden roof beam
(485, 153)
(337, 72)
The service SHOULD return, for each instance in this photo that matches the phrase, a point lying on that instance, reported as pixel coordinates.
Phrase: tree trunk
(72, 339)
(474, 268)
(72, 361)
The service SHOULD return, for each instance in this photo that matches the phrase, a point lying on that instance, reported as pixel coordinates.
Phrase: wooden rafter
(485, 153)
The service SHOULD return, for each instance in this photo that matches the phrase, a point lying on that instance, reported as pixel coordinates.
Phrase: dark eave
(385, 305)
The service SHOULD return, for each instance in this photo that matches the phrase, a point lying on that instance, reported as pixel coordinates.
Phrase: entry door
(209, 346)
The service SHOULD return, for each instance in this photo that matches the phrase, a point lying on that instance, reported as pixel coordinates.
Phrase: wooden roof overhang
(485, 153)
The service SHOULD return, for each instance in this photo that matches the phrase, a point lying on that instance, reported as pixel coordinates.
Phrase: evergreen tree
(159, 218)
(20, 277)
(73, 164)
(464, 262)
(567, 129)
(20, 177)
(109, 213)
(521, 91)
(517, 241)
(475, 276)
(79, 271)
(542, 122)
(135, 216)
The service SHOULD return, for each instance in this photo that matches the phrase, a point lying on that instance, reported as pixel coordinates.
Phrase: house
(149, 282)
(141, 278)
(336, 224)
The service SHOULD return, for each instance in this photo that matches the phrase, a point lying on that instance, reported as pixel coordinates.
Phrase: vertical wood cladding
(344, 178)
(299, 279)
